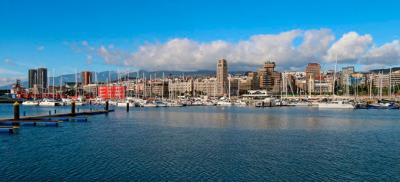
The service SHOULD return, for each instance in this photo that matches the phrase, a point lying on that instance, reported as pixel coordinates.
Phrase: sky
(76, 35)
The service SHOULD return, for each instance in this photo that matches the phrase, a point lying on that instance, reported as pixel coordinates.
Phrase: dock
(11, 125)
(46, 118)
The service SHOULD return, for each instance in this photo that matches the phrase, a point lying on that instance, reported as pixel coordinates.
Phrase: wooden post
(127, 107)
(73, 107)
(16, 111)
(106, 105)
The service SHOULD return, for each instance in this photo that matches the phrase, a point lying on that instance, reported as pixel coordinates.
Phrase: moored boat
(30, 103)
(336, 105)
(49, 102)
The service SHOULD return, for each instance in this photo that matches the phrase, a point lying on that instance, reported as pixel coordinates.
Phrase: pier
(11, 125)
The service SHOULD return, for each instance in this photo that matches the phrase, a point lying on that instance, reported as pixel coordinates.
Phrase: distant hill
(105, 75)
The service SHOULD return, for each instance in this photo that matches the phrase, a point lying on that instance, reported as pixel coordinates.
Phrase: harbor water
(206, 143)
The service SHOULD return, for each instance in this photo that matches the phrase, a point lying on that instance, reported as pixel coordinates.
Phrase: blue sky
(102, 35)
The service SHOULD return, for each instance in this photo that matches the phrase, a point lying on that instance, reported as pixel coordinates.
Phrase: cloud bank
(290, 50)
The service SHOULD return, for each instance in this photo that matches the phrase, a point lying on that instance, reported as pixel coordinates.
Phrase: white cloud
(290, 50)
(186, 54)
(9, 72)
(8, 76)
(387, 54)
(40, 48)
(6, 81)
(112, 56)
(349, 48)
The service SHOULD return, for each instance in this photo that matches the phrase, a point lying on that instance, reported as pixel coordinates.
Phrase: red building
(111, 92)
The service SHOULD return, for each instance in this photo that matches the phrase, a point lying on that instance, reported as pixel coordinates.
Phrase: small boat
(224, 103)
(197, 103)
(49, 102)
(240, 103)
(149, 105)
(122, 104)
(383, 106)
(299, 104)
(279, 102)
(30, 103)
(209, 103)
(160, 104)
(173, 104)
(79, 103)
(267, 102)
(335, 105)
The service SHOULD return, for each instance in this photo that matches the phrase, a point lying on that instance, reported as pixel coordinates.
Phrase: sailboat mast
(53, 84)
(162, 88)
(334, 78)
(390, 83)
(229, 87)
(76, 83)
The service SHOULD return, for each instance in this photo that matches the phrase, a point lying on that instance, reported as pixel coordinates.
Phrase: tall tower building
(266, 74)
(42, 77)
(32, 78)
(86, 77)
(313, 72)
(222, 77)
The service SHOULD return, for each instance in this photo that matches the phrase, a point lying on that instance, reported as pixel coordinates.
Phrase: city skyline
(70, 39)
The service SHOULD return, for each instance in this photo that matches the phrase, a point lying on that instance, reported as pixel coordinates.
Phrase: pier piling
(127, 107)
(73, 107)
(16, 111)
(106, 106)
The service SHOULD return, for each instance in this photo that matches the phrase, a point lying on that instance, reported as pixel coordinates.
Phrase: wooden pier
(12, 124)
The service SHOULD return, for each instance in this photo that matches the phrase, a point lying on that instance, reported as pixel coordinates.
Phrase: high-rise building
(32, 78)
(222, 77)
(313, 72)
(86, 77)
(265, 75)
(42, 77)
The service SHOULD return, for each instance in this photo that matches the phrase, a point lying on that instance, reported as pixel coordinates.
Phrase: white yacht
(173, 104)
(224, 103)
(49, 102)
(149, 105)
(123, 104)
(336, 105)
(30, 103)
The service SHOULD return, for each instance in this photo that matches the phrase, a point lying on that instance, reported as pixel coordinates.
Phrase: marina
(199, 91)
(285, 138)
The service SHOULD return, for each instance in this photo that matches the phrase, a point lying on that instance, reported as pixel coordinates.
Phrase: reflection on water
(207, 143)
(264, 118)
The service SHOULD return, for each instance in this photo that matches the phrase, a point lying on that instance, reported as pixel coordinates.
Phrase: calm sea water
(207, 143)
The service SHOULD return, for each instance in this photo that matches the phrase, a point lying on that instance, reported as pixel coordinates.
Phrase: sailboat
(336, 105)
(50, 102)
(30, 103)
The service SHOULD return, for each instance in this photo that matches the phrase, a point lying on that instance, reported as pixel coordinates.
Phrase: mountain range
(105, 76)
